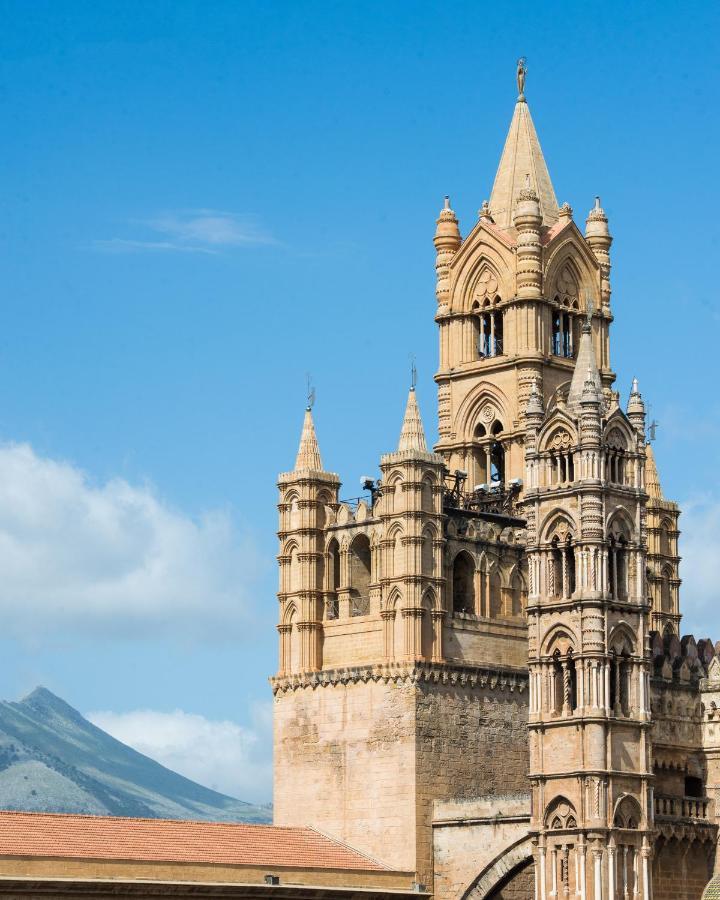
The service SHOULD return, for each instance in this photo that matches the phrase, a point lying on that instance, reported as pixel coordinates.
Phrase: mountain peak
(53, 760)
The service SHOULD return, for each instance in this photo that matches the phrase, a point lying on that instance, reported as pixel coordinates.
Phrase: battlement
(684, 660)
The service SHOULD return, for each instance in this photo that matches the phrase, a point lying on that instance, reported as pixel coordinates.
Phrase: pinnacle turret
(412, 434)
(586, 369)
(447, 242)
(308, 456)
(636, 408)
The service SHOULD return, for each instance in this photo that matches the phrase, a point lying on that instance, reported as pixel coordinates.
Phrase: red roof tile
(160, 840)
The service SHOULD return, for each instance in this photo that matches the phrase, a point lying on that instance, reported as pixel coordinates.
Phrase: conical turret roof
(308, 456)
(412, 434)
(652, 479)
(585, 369)
(522, 156)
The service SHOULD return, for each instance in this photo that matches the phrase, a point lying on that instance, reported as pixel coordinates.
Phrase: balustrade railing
(683, 807)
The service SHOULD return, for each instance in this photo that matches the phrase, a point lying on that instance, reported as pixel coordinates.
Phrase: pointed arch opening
(463, 583)
(360, 574)
(332, 580)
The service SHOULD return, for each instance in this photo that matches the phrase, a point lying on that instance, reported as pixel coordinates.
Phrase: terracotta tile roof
(160, 840)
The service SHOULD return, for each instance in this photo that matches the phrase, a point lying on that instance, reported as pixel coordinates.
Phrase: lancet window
(563, 328)
(463, 583)
(332, 580)
(489, 338)
(561, 568)
(360, 576)
(666, 598)
(618, 567)
(564, 675)
(620, 676)
(616, 461)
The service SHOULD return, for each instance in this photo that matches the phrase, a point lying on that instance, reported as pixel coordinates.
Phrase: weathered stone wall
(520, 885)
(681, 870)
(471, 842)
(362, 754)
(472, 742)
(345, 763)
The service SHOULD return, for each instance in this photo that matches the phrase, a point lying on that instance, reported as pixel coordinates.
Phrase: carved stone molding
(512, 681)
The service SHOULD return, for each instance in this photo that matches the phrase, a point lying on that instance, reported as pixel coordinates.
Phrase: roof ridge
(350, 847)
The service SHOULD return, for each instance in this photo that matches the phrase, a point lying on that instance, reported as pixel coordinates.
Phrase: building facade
(481, 677)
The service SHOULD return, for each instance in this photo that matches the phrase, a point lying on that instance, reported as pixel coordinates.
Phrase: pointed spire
(308, 456)
(412, 434)
(652, 479)
(586, 370)
(522, 158)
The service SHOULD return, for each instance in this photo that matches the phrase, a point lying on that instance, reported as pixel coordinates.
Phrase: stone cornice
(481, 677)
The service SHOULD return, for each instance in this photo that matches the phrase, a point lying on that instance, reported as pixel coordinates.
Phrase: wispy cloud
(209, 231)
(220, 754)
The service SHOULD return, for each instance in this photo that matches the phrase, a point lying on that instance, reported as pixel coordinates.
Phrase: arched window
(497, 456)
(427, 500)
(620, 677)
(565, 683)
(463, 583)
(428, 552)
(332, 580)
(293, 643)
(560, 814)
(666, 602)
(561, 565)
(489, 331)
(397, 554)
(295, 574)
(562, 333)
(665, 545)
(518, 595)
(618, 569)
(494, 594)
(360, 576)
(426, 630)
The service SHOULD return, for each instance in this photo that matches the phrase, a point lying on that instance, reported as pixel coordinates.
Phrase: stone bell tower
(588, 623)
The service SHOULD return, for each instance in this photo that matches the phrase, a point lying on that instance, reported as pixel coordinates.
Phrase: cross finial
(310, 391)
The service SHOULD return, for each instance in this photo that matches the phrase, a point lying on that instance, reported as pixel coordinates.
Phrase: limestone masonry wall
(362, 756)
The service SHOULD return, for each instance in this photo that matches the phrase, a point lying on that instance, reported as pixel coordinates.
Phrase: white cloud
(192, 231)
(114, 558)
(700, 566)
(219, 754)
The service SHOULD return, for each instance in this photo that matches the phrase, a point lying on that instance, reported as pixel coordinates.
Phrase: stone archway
(512, 861)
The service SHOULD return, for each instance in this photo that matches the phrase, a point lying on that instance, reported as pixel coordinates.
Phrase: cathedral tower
(588, 624)
(480, 664)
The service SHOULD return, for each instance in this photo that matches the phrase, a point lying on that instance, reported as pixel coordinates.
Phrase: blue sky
(199, 203)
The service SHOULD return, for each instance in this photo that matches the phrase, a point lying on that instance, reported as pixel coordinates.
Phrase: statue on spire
(521, 73)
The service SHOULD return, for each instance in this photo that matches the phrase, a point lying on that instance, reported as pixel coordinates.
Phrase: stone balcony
(696, 809)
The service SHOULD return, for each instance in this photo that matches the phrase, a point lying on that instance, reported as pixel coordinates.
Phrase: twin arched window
(489, 336)
(563, 331)
(561, 573)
